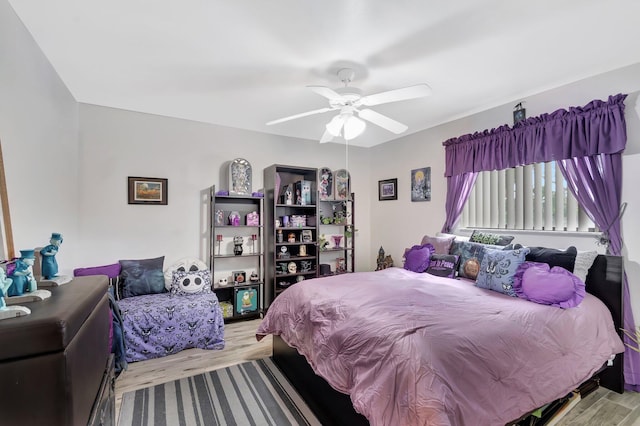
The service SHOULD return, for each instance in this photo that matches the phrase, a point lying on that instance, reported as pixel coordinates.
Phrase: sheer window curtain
(587, 142)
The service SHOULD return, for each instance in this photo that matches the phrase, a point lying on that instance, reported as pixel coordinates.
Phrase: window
(533, 197)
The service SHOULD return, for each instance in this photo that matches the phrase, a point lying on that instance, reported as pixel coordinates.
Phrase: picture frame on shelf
(145, 190)
(342, 181)
(240, 175)
(239, 277)
(388, 189)
(421, 184)
(325, 184)
(306, 236)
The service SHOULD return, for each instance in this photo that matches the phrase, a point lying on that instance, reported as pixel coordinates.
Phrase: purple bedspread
(157, 325)
(415, 349)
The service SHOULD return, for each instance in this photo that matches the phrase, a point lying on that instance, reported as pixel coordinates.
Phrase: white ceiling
(241, 63)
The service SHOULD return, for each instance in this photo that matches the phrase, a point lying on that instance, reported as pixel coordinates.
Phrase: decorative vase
(336, 240)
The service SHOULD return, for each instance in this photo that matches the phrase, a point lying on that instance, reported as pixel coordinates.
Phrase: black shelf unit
(243, 298)
(340, 214)
(276, 177)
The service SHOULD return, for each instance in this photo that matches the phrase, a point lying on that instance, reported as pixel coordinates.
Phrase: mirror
(6, 235)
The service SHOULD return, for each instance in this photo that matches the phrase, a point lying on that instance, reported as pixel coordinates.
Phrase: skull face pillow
(187, 264)
(192, 282)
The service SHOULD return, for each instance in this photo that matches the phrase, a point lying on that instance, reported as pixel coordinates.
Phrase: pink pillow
(442, 245)
(555, 286)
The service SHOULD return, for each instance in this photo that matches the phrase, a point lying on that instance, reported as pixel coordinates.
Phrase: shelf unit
(336, 219)
(241, 297)
(298, 237)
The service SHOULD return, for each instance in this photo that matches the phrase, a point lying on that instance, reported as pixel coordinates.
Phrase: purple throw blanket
(416, 349)
(156, 325)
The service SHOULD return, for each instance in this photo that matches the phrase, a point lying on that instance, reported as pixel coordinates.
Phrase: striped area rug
(251, 393)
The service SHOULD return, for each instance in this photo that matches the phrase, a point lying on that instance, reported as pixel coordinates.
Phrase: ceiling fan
(350, 102)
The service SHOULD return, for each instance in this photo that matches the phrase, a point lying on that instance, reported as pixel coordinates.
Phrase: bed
(156, 325)
(414, 349)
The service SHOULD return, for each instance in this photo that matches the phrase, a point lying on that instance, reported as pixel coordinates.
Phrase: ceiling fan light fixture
(334, 127)
(353, 127)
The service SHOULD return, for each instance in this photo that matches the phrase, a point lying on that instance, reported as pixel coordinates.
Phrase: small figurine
(9, 311)
(254, 277)
(383, 261)
(237, 245)
(5, 284)
(49, 264)
(22, 275)
(323, 242)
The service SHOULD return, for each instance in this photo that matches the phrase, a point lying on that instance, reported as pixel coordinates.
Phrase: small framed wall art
(388, 189)
(143, 190)
(421, 184)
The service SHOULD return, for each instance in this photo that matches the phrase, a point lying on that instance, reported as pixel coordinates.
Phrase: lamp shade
(334, 127)
(353, 127)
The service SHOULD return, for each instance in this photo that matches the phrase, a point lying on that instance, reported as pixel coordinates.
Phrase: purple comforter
(415, 349)
(157, 325)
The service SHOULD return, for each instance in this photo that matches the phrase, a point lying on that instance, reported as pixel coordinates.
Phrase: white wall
(116, 144)
(39, 135)
(67, 165)
(402, 223)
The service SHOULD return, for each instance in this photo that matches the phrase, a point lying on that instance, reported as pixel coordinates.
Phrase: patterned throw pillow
(191, 282)
(417, 257)
(584, 260)
(443, 265)
(489, 238)
(498, 269)
(142, 276)
(471, 255)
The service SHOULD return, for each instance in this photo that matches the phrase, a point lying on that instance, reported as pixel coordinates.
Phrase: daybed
(412, 348)
(164, 312)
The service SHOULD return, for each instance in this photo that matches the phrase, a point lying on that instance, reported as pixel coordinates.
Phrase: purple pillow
(417, 257)
(112, 271)
(555, 286)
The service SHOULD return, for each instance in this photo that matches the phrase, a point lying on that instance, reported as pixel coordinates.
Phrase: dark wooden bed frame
(332, 407)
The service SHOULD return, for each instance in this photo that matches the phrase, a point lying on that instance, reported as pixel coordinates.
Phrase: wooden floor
(600, 408)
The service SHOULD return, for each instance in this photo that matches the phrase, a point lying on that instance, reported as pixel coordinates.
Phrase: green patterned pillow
(489, 238)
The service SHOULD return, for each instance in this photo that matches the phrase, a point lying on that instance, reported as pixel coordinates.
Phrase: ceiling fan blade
(382, 121)
(326, 137)
(328, 93)
(411, 92)
(304, 114)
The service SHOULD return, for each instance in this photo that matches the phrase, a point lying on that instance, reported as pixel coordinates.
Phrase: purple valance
(596, 128)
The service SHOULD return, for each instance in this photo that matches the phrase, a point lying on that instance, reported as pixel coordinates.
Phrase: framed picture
(144, 190)
(421, 184)
(342, 184)
(388, 189)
